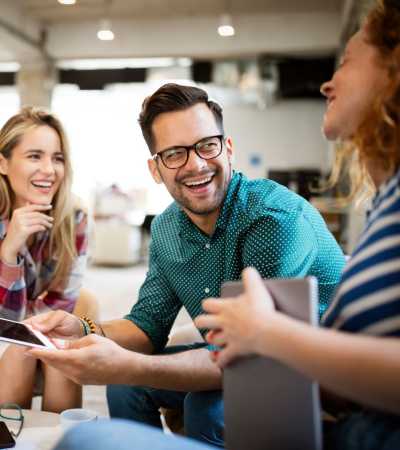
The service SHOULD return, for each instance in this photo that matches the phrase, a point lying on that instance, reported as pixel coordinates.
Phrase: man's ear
(229, 147)
(155, 173)
(3, 165)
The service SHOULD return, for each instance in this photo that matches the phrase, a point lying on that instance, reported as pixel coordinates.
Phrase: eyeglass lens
(206, 149)
(12, 412)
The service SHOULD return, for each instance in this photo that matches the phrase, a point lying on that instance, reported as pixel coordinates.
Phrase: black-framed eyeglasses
(176, 157)
(12, 411)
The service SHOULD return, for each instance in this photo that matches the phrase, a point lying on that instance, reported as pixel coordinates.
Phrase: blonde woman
(43, 240)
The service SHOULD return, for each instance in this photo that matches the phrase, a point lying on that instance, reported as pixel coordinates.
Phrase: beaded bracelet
(90, 324)
(85, 326)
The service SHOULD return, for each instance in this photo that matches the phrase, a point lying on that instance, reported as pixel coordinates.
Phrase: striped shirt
(261, 224)
(21, 285)
(368, 299)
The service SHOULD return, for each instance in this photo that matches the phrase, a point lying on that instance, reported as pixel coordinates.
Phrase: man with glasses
(219, 223)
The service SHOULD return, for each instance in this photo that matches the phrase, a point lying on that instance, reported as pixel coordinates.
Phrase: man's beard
(207, 209)
(212, 205)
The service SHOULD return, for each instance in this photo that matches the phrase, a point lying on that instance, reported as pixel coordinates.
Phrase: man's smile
(196, 183)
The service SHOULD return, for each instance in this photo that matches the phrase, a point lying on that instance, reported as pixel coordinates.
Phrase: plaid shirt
(22, 285)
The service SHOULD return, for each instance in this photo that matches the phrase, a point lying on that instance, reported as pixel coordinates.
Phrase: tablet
(267, 404)
(22, 334)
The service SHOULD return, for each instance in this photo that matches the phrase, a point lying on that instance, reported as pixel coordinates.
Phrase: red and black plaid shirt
(22, 285)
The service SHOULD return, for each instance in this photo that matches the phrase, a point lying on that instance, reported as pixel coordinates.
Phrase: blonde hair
(376, 142)
(62, 236)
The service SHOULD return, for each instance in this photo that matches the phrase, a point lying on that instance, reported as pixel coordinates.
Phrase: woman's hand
(57, 324)
(237, 323)
(24, 222)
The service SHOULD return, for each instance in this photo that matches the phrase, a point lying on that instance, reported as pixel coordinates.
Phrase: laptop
(269, 406)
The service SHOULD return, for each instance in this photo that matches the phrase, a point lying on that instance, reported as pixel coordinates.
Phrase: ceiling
(51, 12)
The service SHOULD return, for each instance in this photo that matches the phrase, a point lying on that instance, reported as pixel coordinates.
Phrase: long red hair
(376, 142)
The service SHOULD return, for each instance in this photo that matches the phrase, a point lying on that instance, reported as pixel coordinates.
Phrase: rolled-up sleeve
(157, 306)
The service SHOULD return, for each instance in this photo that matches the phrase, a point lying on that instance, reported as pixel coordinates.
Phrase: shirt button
(208, 245)
(207, 290)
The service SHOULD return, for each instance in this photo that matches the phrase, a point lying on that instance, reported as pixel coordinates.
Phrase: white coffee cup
(71, 417)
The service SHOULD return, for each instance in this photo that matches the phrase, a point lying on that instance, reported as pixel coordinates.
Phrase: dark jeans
(363, 431)
(203, 411)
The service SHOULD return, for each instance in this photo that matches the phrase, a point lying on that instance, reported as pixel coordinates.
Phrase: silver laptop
(269, 406)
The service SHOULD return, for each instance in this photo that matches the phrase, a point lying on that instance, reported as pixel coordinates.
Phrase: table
(41, 430)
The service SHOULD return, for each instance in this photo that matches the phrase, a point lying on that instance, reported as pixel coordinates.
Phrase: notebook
(269, 406)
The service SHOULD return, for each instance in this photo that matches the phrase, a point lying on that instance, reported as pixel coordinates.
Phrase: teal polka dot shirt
(262, 224)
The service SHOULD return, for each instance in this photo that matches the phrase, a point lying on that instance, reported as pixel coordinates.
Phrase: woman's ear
(3, 165)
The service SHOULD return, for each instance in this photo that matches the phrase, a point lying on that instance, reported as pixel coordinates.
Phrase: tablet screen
(18, 332)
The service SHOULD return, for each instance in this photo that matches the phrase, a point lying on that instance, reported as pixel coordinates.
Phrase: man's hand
(25, 221)
(90, 360)
(57, 324)
(236, 323)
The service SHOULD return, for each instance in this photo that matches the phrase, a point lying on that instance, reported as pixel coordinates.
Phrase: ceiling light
(120, 63)
(105, 33)
(226, 28)
(67, 2)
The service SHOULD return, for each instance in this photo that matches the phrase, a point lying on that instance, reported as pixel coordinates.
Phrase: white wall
(283, 136)
(107, 145)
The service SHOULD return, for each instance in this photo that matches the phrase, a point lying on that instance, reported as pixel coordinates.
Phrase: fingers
(36, 218)
(37, 321)
(48, 356)
(62, 360)
(254, 286)
(224, 357)
(212, 305)
(66, 354)
(209, 321)
(252, 281)
(49, 321)
(77, 344)
(216, 337)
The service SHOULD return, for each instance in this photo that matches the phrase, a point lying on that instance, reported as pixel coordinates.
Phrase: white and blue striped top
(368, 297)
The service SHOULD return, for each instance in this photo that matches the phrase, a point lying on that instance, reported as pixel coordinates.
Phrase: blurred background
(93, 61)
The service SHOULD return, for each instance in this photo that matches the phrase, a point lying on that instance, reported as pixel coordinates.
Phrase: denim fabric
(203, 411)
(123, 435)
(364, 431)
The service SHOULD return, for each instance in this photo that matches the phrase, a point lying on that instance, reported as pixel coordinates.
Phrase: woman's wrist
(8, 253)
(8, 256)
(272, 335)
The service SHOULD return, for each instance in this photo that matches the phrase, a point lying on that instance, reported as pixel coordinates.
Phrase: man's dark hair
(174, 97)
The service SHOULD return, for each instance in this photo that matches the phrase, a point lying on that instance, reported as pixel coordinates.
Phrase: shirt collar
(229, 201)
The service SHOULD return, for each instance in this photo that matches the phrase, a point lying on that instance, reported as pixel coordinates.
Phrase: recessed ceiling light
(105, 35)
(67, 2)
(105, 32)
(226, 28)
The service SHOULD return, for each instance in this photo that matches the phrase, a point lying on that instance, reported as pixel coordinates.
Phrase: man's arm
(188, 371)
(95, 360)
(128, 335)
